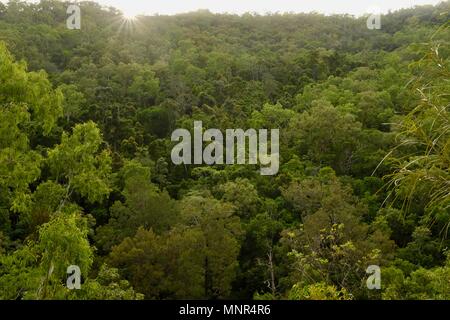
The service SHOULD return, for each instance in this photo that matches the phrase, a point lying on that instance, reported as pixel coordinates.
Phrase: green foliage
(38, 270)
(332, 246)
(29, 107)
(205, 246)
(145, 206)
(78, 162)
(318, 291)
(422, 166)
(327, 136)
(422, 284)
(106, 286)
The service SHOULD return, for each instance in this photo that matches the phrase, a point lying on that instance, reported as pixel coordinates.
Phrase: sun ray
(127, 23)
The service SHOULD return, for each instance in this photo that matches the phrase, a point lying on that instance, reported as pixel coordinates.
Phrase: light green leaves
(78, 162)
(63, 242)
(28, 107)
(32, 89)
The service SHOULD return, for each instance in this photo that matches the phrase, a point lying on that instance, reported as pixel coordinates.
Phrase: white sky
(355, 7)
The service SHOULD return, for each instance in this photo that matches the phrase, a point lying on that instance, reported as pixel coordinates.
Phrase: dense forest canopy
(86, 177)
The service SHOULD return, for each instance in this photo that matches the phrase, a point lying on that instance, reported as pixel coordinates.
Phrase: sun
(128, 22)
(128, 15)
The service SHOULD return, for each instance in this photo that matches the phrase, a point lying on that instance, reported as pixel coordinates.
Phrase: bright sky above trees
(135, 7)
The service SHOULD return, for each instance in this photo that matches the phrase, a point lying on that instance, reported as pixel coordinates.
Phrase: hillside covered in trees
(86, 176)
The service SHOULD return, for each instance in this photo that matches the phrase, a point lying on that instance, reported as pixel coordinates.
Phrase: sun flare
(129, 16)
(128, 21)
